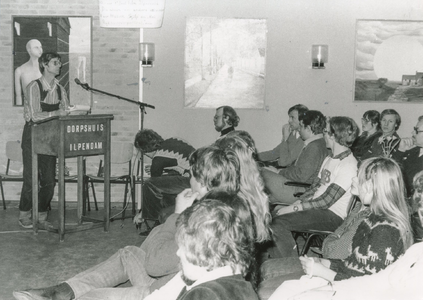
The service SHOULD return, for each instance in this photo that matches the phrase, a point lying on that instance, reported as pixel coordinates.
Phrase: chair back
(13, 153)
(121, 152)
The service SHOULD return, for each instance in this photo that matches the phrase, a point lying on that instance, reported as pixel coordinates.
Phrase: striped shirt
(32, 99)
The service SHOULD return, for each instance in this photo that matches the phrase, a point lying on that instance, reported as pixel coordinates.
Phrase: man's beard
(187, 281)
(219, 128)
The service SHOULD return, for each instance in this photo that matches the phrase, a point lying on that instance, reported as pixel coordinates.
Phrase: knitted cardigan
(376, 244)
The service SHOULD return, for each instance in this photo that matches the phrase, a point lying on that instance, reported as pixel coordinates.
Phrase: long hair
(417, 199)
(213, 236)
(388, 193)
(216, 168)
(251, 182)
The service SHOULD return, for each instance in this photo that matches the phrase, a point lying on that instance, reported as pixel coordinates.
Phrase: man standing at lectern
(43, 98)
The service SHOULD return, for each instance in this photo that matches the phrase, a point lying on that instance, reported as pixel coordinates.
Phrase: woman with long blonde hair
(251, 183)
(380, 239)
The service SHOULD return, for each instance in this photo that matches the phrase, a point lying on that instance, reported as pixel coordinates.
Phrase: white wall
(293, 26)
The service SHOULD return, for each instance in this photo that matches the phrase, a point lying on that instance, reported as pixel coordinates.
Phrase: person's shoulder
(233, 287)
(320, 143)
(377, 220)
(32, 84)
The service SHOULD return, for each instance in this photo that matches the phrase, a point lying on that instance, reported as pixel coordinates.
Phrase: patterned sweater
(376, 244)
(173, 154)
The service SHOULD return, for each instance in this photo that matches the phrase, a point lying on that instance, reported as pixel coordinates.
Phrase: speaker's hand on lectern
(60, 112)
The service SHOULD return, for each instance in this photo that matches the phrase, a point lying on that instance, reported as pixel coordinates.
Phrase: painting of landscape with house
(389, 61)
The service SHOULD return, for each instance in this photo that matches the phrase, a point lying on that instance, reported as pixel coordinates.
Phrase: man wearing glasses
(410, 155)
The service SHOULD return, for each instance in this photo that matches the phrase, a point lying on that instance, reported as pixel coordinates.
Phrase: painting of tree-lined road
(225, 62)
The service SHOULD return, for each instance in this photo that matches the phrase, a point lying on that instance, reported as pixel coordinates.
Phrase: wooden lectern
(72, 136)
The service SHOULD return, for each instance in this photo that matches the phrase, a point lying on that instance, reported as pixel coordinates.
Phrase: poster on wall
(225, 62)
(70, 37)
(389, 61)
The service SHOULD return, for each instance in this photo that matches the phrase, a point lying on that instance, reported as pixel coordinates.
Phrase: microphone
(83, 85)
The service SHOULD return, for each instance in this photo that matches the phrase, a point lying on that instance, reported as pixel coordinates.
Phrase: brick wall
(114, 70)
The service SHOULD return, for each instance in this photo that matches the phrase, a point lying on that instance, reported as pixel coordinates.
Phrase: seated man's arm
(159, 163)
(160, 249)
(332, 194)
(269, 155)
(289, 150)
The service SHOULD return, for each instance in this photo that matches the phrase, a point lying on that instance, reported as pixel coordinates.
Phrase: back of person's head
(213, 236)
(45, 59)
(345, 130)
(238, 204)
(251, 182)
(373, 116)
(388, 193)
(216, 168)
(238, 140)
(390, 111)
(301, 109)
(148, 140)
(315, 119)
(228, 111)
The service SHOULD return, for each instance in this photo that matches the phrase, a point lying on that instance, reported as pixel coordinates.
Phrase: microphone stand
(142, 107)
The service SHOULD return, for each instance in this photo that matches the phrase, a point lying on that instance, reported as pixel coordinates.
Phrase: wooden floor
(31, 261)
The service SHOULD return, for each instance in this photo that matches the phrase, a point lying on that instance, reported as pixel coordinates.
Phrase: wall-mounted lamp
(319, 56)
(146, 54)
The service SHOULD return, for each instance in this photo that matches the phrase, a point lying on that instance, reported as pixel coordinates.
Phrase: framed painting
(70, 37)
(389, 61)
(225, 62)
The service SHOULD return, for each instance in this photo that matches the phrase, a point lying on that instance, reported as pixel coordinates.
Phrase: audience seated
(212, 248)
(170, 156)
(370, 125)
(380, 238)
(410, 155)
(244, 238)
(290, 147)
(306, 167)
(388, 142)
(324, 204)
(154, 263)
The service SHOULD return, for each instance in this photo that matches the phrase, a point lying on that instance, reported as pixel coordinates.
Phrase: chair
(121, 154)
(314, 238)
(14, 156)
